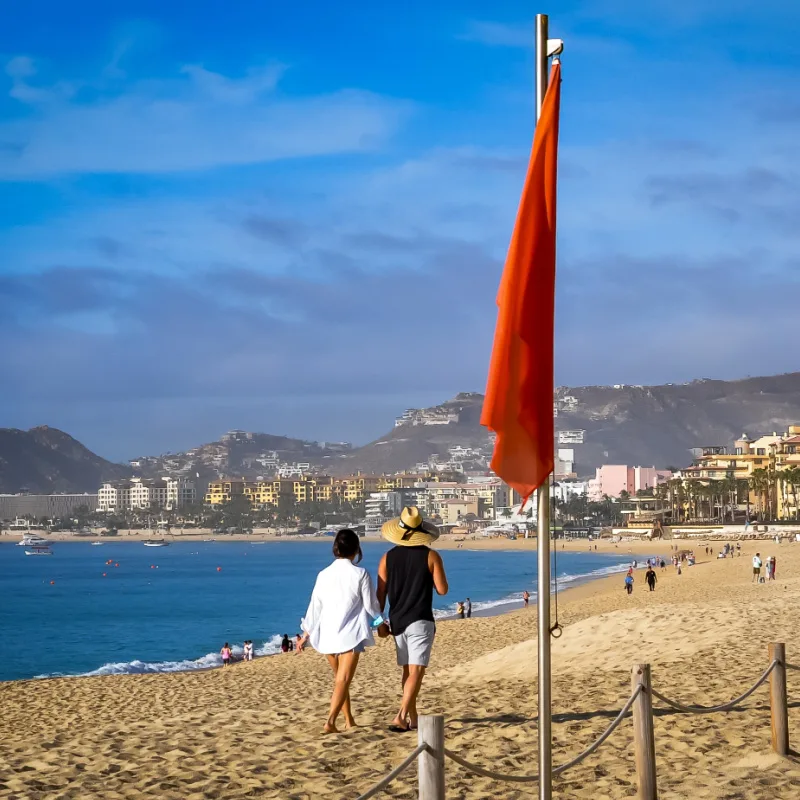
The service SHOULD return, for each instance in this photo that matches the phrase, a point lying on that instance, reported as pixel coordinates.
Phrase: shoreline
(625, 547)
(181, 734)
(508, 604)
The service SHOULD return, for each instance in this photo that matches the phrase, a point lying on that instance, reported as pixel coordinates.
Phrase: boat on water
(209, 540)
(32, 540)
(156, 543)
(97, 544)
(39, 550)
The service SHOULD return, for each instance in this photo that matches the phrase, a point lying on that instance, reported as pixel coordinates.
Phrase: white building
(571, 437)
(142, 493)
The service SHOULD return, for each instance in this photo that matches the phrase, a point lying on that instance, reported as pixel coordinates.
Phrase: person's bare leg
(412, 681)
(349, 720)
(345, 670)
(410, 693)
(400, 721)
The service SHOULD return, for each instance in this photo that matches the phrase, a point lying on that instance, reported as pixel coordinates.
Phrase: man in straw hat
(407, 575)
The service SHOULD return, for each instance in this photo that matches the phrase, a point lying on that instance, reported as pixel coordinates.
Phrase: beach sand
(253, 730)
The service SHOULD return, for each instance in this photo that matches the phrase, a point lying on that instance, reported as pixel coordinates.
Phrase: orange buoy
(152, 566)
(104, 574)
(116, 565)
(52, 583)
(219, 569)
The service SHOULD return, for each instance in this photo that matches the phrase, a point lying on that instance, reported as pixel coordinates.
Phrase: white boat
(97, 544)
(39, 550)
(156, 543)
(33, 540)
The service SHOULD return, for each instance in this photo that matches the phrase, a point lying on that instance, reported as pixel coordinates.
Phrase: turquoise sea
(172, 608)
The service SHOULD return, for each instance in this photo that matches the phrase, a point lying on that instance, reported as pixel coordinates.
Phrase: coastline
(131, 735)
(500, 600)
(628, 547)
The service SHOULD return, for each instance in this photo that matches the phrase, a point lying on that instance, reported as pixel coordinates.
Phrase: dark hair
(347, 545)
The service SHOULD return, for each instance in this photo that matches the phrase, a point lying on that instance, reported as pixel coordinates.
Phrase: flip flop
(398, 729)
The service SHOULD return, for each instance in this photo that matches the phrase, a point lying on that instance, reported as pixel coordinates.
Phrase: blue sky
(292, 218)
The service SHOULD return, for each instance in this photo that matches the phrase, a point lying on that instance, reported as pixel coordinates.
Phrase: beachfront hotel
(141, 493)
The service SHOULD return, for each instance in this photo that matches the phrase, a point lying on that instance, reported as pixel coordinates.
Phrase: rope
(725, 706)
(555, 630)
(791, 666)
(603, 736)
(381, 785)
(468, 765)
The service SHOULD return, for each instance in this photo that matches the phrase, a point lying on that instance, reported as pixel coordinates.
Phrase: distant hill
(635, 425)
(46, 460)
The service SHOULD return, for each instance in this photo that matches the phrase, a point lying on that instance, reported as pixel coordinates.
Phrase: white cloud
(198, 121)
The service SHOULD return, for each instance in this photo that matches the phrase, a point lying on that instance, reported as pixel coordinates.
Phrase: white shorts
(415, 643)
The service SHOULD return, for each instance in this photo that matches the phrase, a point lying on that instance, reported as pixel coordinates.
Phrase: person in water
(226, 654)
(340, 619)
(407, 577)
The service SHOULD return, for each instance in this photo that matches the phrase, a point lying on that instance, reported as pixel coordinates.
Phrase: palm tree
(759, 485)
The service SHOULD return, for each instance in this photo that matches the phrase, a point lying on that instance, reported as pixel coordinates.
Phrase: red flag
(519, 395)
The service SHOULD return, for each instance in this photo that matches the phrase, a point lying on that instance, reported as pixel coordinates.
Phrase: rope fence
(431, 753)
(725, 706)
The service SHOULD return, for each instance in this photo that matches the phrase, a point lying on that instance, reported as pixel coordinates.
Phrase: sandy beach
(253, 730)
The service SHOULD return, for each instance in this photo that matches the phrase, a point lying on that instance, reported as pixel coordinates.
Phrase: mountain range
(623, 424)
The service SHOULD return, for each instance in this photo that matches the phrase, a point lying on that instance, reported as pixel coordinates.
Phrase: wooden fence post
(644, 742)
(430, 766)
(778, 699)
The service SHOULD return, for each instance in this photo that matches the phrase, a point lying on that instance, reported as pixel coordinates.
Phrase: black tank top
(409, 587)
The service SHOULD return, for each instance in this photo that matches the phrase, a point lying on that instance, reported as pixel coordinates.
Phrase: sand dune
(253, 730)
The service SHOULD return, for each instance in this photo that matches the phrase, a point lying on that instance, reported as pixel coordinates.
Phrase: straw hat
(410, 529)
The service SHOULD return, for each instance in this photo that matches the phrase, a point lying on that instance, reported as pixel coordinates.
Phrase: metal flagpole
(544, 49)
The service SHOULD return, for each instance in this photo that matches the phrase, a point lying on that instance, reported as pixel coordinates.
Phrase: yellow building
(356, 488)
(222, 491)
(769, 464)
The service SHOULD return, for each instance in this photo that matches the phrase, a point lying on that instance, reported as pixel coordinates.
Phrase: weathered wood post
(778, 699)
(644, 742)
(430, 765)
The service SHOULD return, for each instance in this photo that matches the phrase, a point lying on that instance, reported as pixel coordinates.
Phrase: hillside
(636, 425)
(46, 460)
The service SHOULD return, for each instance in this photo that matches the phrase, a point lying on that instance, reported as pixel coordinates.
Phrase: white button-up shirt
(342, 608)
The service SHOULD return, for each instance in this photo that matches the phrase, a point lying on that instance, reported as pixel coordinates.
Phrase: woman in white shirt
(339, 620)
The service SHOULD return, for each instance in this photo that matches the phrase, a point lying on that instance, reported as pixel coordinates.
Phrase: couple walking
(346, 609)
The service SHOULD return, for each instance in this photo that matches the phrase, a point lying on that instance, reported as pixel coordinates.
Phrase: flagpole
(543, 517)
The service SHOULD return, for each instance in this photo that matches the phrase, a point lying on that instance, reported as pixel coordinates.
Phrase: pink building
(612, 479)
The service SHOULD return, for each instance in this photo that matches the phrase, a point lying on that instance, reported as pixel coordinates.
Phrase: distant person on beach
(460, 609)
(525, 598)
(247, 654)
(663, 565)
(407, 577)
(286, 645)
(629, 583)
(340, 619)
(468, 607)
(650, 577)
(299, 643)
(226, 654)
(756, 568)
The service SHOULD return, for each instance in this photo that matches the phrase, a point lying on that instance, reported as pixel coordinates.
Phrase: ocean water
(172, 608)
